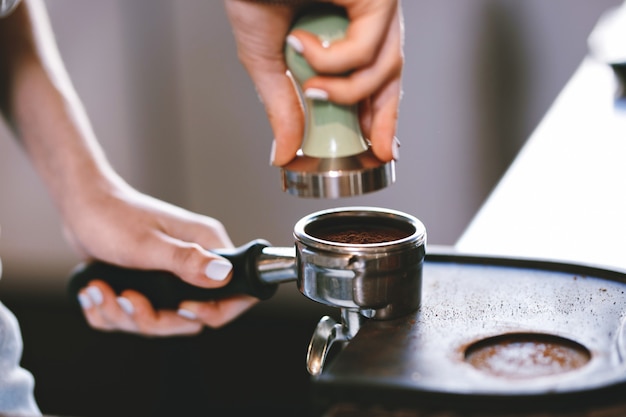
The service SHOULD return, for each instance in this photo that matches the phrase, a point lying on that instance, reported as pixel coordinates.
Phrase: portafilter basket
(367, 261)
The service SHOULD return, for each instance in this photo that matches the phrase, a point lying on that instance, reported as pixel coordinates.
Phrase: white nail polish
(218, 269)
(295, 43)
(273, 153)
(126, 305)
(84, 301)
(187, 314)
(95, 294)
(316, 94)
(395, 148)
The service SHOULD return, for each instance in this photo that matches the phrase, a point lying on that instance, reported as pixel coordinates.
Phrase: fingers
(150, 234)
(131, 312)
(285, 114)
(366, 80)
(282, 105)
(373, 27)
(364, 67)
(378, 108)
(379, 117)
(191, 262)
(260, 31)
(359, 47)
(215, 314)
(175, 241)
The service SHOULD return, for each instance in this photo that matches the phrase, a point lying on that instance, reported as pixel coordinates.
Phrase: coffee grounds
(362, 236)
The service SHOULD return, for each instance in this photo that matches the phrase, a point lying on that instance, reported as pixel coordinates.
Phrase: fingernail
(273, 152)
(295, 43)
(187, 314)
(84, 301)
(126, 305)
(95, 294)
(395, 148)
(218, 269)
(316, 94)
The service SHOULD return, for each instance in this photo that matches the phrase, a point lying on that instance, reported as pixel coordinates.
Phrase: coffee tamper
(334, 160)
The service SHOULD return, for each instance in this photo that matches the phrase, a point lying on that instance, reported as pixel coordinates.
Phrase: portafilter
(365, 260)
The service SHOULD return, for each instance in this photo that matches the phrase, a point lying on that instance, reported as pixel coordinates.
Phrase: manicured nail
(316, 94)
(187, 314)
(218, 269)
(395, 148)
(273, 153)
(95, 294)
(295, 43)
(84, 301)
(126, 305)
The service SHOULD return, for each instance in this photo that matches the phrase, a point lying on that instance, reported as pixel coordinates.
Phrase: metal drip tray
(491, 333)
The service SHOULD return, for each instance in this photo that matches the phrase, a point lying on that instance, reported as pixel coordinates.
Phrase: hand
(127, 228)
(104, 217)
(372, 51)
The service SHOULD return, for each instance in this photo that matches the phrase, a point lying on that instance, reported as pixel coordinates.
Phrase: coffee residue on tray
(527, 355)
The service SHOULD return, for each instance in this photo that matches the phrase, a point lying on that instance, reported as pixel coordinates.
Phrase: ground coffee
(361, 235)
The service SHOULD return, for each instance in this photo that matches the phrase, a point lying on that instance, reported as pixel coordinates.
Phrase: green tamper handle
(332, 130)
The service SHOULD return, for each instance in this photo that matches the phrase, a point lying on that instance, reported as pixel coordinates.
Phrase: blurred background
(180, 120)
(179, 117)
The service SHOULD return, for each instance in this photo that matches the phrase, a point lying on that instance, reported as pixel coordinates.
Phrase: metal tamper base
(337, 177)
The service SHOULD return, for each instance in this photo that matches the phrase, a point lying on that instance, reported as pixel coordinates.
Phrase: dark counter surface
(256, 364)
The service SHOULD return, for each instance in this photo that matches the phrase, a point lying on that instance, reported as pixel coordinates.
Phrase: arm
(103, 216)
(372, 50)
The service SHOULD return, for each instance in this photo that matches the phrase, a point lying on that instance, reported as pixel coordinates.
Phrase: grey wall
(179, 117)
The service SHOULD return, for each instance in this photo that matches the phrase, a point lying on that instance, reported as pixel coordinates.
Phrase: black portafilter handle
(165, 290)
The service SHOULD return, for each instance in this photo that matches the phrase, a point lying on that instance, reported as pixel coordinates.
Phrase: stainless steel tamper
(334, 160)
(367, 261)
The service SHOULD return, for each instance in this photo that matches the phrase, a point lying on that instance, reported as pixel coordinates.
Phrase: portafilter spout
(327, 333)
(334, 160)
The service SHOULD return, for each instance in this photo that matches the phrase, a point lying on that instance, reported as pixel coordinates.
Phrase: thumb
(189, 261)
(285, 113)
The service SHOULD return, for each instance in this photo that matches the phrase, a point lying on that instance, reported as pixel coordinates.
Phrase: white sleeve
(16, 384)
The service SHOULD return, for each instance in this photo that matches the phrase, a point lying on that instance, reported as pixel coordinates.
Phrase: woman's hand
(104, 218)
(121, 226)
(372, 51)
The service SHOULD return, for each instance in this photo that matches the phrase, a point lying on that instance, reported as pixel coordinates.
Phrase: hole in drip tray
(526, 355)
